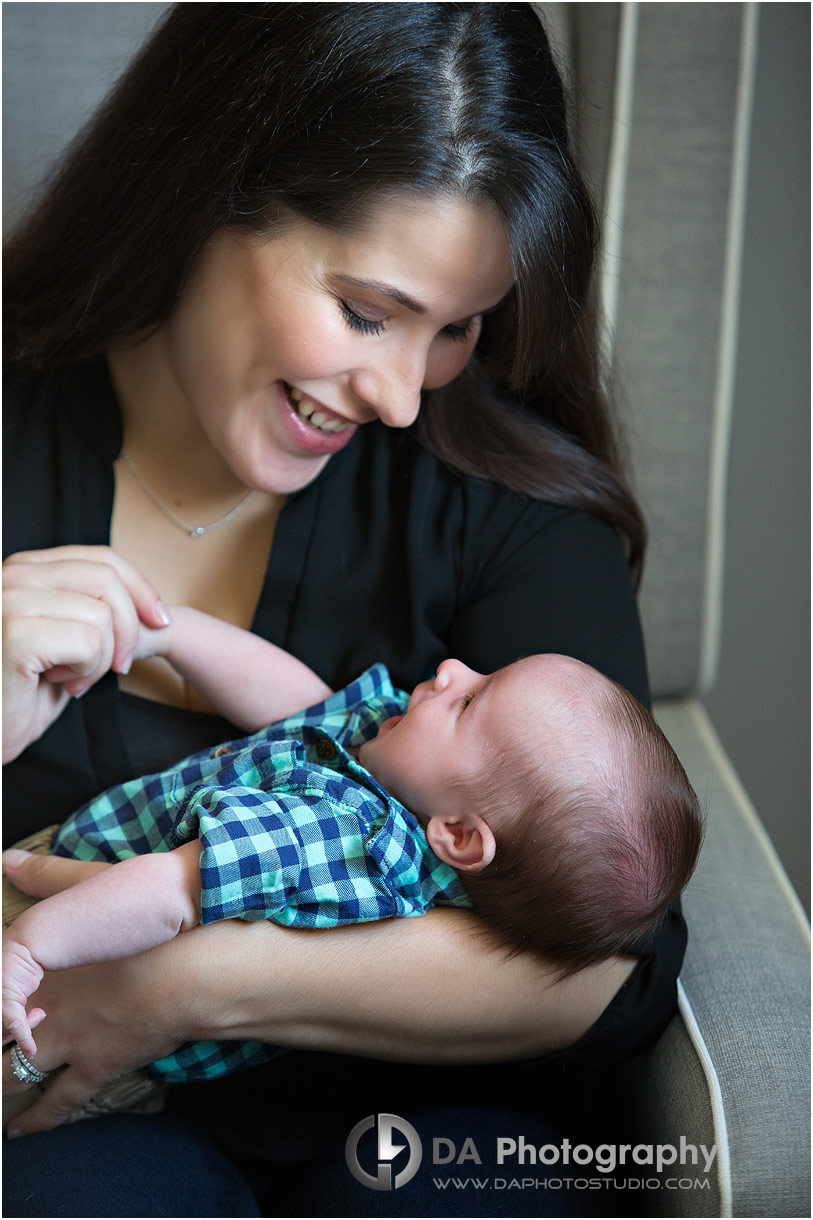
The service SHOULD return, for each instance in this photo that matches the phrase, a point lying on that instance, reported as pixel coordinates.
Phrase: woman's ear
(466, 843)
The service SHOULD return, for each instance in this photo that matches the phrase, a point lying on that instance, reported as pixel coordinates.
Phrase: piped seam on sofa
(718, 1116)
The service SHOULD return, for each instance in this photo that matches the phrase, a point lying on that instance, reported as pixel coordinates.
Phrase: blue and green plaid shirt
(293, 829)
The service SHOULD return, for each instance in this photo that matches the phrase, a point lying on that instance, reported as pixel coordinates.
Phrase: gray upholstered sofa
(665, 96)
(662, 111)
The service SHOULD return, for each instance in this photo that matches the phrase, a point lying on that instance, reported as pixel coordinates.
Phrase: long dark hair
(234, 111)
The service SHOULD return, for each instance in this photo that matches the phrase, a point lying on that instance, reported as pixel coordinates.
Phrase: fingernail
(15, 856)
(126, 664)
(14, 1133)
(163, 613)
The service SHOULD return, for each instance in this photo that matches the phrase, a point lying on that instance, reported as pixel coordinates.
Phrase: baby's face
(456, 725)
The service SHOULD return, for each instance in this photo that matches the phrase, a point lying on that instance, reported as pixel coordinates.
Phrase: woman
(302, 335)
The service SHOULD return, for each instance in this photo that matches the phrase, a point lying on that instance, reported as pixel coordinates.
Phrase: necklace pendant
(191, 531)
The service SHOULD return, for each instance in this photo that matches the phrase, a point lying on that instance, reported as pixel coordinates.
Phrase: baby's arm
(122, 910)
(249, 680)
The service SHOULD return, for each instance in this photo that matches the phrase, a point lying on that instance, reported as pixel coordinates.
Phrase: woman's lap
(162, 1165)
(459, 1187)
(123, 1165)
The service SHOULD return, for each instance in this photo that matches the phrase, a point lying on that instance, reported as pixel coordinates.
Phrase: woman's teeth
(305, 409)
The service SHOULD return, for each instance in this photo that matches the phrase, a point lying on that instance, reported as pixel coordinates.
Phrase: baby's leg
(42, 876)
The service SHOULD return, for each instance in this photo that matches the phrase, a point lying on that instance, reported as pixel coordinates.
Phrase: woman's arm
(432, 989)
(247, 679)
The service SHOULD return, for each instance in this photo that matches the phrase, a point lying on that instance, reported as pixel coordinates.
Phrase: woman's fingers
(65, 1094)
(33, 645)
(70, 614)
(98, 574)
(42, 876)
(146, 599)
(44, 628)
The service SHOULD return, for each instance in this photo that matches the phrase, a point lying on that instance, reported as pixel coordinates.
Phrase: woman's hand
(70, 614)
(102, 1022)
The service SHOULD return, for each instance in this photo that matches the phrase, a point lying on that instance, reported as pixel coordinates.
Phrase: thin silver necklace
(194, 531)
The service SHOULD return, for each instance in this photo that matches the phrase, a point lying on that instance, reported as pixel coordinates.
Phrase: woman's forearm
(430, 989)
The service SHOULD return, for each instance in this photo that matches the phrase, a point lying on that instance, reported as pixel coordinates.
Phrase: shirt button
(325, 748)
(222, 751)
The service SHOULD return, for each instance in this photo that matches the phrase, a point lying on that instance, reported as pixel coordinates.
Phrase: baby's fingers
(33, 1017)
(17, 1027)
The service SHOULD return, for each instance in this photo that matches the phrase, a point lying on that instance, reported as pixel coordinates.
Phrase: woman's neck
(175, 474)
(161, 432)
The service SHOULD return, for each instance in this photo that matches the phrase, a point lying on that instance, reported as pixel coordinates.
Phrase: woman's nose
(392, 390)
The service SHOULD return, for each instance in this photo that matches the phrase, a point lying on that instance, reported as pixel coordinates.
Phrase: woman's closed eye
(367, 326)
(458, 331)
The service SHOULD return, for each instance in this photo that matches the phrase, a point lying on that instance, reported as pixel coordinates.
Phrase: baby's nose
(452, 670)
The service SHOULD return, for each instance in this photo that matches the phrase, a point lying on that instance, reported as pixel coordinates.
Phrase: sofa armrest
(745, 1000)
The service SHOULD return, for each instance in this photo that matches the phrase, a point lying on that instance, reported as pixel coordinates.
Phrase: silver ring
(22, 1067)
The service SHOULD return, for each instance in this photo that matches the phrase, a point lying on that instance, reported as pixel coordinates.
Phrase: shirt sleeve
(296, 857)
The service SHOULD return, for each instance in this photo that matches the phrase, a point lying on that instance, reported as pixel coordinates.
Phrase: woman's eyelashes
(458, 331)
(465, 701)
(355, 321)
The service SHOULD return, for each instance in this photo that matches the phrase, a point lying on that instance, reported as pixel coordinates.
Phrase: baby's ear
(465, 843)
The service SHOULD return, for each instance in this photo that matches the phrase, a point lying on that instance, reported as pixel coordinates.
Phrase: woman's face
(281, 347)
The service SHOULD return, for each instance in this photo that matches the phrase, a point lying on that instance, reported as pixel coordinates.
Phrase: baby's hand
(152, 642)
(21, 978)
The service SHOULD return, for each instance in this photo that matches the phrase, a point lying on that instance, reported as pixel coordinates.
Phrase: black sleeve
(549, 580)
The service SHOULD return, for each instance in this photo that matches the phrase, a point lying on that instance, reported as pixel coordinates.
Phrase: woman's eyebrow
(387, 290)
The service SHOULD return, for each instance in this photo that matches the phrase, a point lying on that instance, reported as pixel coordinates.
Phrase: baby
(543, 795)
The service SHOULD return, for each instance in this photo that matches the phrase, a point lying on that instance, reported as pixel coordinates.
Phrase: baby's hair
(587, 868)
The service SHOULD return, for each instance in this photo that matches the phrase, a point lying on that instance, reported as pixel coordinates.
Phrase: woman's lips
(313, 438)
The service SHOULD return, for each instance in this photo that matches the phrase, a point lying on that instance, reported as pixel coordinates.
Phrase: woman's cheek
(447, 359)
(319, 345)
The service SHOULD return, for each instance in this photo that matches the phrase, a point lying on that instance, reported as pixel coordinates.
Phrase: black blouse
(386, 556)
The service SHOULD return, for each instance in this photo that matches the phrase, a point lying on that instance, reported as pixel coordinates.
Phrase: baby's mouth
(316, 415)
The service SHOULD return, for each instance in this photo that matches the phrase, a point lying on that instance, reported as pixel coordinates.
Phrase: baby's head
(556, 795)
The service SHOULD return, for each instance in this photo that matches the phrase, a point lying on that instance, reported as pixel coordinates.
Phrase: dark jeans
(164, 1165)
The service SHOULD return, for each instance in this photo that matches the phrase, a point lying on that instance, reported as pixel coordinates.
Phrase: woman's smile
(316, 414)
(312, 426)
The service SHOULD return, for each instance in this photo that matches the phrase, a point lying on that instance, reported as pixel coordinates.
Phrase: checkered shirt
(293, 829)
